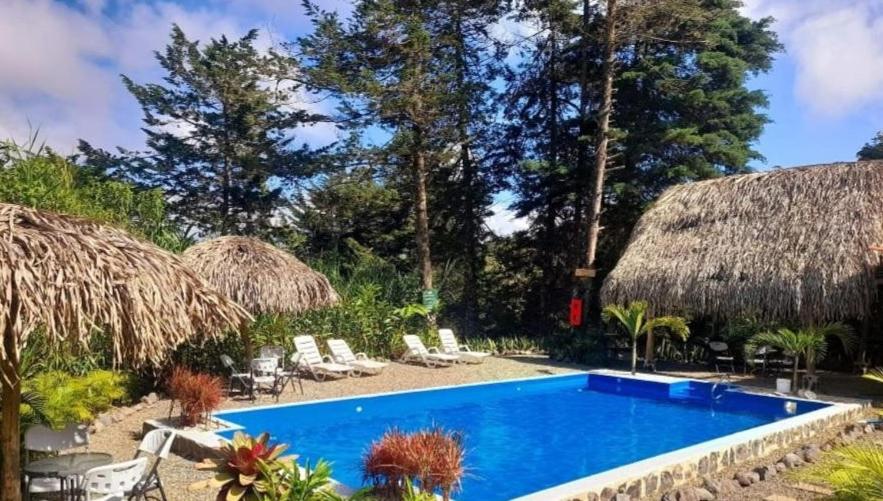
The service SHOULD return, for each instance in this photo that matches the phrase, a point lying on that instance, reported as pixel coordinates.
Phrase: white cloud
(503, 222)
(836, 47)
(61, 63)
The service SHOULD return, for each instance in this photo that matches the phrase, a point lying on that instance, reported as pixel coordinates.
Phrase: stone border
(659, 474)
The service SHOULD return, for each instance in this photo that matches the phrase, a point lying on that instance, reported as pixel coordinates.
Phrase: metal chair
(243, 378)
(721, 354)
(39, 438)
(291, 374)
(114, 482)
(157, 443)
(265, 374)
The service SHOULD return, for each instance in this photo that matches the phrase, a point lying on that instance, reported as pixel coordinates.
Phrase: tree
(386, 68)
(636, 322)
(219, 134)
(873, 149)
(809, 343)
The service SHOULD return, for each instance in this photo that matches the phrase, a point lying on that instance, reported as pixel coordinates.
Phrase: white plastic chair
(243, 378)
(452, 347)
(314, 363)
(39, 438)
(431, 357)
(343, 354)
(113, 482)
(265, 374)
(276, 352)
(156, 443)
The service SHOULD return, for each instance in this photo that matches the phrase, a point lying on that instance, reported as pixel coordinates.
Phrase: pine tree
(219, 135)
(872, 150)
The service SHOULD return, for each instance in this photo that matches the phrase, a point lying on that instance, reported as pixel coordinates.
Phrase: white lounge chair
(314, 363)
(452, 347)
(431, 357)
(344, 355)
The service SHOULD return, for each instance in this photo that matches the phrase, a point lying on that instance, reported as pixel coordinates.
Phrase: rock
(608, 494)
(730, 485)
(792, 460)
(744, 478)
(812, 455)
(105, 419)
(711, 485)
(666, 481)
(670, 496)
(97, 426)
(766, 472)
(869, 428)
(620, 496)
(703, 494)
(780, 467)
(592, 497)
(755, 477)
(150, 399)
(686, 494)
(634, 490)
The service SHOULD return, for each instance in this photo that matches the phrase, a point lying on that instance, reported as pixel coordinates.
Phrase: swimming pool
(527, 435)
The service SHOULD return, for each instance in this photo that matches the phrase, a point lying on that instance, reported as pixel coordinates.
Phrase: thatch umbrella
(69, 277)
(260, 277)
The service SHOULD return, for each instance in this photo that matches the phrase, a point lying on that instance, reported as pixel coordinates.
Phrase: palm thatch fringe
(259, 276)
(790, 244)
(70, 276)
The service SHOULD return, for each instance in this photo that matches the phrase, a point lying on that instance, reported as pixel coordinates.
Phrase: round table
(65, 467)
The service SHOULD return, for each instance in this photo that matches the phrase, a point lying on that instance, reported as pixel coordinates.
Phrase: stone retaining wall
(657, 482)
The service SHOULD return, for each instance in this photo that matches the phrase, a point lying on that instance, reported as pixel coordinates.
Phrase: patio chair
(276, 352)
(344, 355)
(156, 443)
(243, 378)
(757, 359)
(431, 357)
(39, 438)
(114, 482)
(720, 353)
(313, 362)
(290, 374)
(265, 375)
(450, 346)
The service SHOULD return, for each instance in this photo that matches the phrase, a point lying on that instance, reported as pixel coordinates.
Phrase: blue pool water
(523, 436)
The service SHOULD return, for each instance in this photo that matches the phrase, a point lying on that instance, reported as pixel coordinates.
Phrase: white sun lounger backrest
(448, 340)
(306, 346)
(415, 345)
(341, 351)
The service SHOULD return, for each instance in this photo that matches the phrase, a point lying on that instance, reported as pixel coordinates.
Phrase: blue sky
(61, 60)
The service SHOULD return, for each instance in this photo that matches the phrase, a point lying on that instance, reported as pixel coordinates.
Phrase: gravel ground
(122, 438)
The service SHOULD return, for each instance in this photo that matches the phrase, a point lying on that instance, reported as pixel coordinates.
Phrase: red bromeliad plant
(197, 394)
(242, 468)
(431, 459)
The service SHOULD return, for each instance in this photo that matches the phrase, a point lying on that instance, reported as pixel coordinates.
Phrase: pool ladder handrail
(723, 380)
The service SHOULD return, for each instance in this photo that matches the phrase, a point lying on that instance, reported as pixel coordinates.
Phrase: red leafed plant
(197, 394)
(431, 459)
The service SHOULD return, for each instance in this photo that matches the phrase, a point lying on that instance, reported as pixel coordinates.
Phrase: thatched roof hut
(68, 276)
(259, 276)
(790, 244)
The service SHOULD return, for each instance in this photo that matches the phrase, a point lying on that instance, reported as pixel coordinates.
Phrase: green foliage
(507, 345)
(635, 321)
(77, 399)
(873, 149)
(854, 473)
(290, 483)
(244, 467)
(43, 180)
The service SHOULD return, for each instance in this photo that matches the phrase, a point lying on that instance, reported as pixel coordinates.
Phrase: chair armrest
(361, 356)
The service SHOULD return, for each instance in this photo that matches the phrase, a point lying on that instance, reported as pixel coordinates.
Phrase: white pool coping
(617, 475)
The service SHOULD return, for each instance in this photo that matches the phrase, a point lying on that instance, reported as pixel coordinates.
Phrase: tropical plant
(62, 398)
(290, 482)
(636, 322)
(431, 459)
(854, 473)
(243, 468)
(809, 343)
(197, 394)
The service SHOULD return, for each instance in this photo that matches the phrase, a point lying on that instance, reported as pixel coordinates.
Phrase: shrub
(431, 459)
(245, 468)
(853, 472)
(77, 399)
(197, 394)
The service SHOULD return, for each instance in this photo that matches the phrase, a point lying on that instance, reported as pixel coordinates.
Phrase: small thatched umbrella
(260, 277)
(69, 276)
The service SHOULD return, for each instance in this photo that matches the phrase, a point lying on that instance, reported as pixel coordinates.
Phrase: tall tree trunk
(549, 244)
(634, 355)
(421, 210)
(608, 69)
(10, 393)
(650, 350)
(583, 169)
(794, 374)
(470, 200)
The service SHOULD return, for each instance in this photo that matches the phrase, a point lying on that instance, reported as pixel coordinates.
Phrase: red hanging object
(576, 312)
